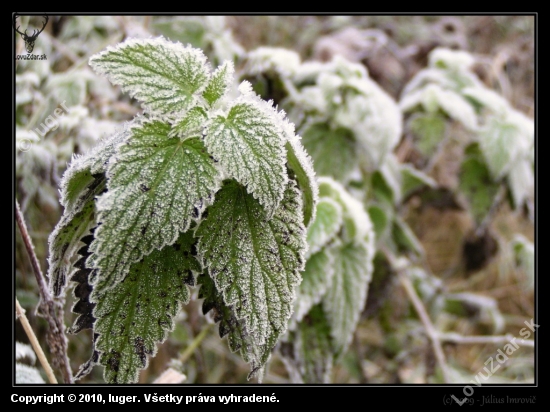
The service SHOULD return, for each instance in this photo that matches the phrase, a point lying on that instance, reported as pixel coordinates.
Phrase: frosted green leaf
(67, 87)
(334, 151)
(391, 172)
(380, 219)
(433, 98)
(488, 98)
(80, 172)
(219, 83)
(74, 223)
(82, 182)
(156, 187)
(373, 117)
(486, 308)
(249, 144)
(138, 313)
(345, 299)
(238, 337)
(356, 221)
(405, 238)
(502, 143)
(316, 279)
(524, 250)
(65, 238)
(191, 125)
(229, 325)
(255, 262)
(101, 154)
(167, 77)
(477, 184)
(82, 289)
(326, 225)
(25, 374)
(309, 354)
(301, 164)
(521, 181)
(429, 128)
(453, 60)
(413, 179)
(276, 59)
(382, 191)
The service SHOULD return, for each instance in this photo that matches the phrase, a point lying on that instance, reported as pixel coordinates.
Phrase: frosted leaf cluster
(336, 278)
(210, 182)
(505, 135)
(255, 261)
(344, 97)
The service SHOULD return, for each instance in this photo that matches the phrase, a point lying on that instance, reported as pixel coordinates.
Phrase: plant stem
(497, 340)
(20, 312)
(428, 325)
(52, 311)
(196, 342)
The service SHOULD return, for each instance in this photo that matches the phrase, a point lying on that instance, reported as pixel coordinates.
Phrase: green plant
(209, 187)
(360, 301)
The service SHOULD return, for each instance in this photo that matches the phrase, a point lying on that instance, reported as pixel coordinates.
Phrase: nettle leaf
(166, 76)
(213, 301)
(413, 179)
(502, 144)
(249, 144)
(156, 187)
(255, 262)
(334, 151)
(380, 218)
(429, 128)
(138, 313)
(345, 299)
(311, 350)
(404, 237)
(353, 255)
(191, 125)
(72, 226)
(325, 226)
(81, 292)
(521, 182)
(316, 280)
(356, 221)
(524, 251)
(82, 182)
(301, 165)
(219, 83)
(237, 336)
(477, 184)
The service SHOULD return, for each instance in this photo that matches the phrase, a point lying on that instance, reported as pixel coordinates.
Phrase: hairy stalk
(51, 310)
(20, 313)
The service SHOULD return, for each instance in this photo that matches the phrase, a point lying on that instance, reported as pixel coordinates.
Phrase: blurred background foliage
(466, 233)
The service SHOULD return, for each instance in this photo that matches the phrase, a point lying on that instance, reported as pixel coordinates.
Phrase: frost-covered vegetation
(233, 199)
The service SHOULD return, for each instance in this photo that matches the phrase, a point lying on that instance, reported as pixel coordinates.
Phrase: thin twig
(496, 340)
(195, 344)
(428, 325)
(20, 312)
(50, 310)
